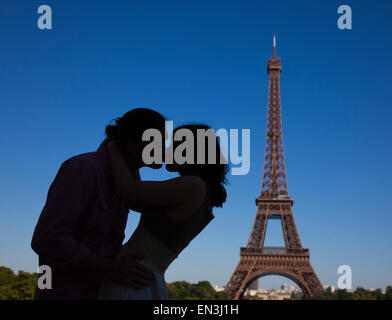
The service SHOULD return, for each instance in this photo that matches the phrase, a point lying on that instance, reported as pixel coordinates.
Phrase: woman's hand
(127, 270)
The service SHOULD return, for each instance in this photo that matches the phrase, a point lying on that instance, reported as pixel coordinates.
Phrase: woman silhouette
(173, 212)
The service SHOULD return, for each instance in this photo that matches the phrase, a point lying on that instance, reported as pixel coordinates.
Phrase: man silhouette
(81, 226)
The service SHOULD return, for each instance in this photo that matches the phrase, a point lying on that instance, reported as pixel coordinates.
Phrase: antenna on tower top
(274, 45)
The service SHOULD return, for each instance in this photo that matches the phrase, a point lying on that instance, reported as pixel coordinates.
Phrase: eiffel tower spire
(274, 45)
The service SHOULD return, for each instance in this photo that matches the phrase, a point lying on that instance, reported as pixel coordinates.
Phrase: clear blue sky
(206, 61)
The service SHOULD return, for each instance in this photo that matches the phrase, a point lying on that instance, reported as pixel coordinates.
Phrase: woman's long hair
(214, 174)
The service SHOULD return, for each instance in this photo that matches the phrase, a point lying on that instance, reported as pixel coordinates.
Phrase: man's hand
(126, 270)
(129, 272)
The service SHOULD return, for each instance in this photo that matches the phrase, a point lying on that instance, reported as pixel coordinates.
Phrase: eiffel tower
(256, 260)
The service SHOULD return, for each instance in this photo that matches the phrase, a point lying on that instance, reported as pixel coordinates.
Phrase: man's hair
(131, 126)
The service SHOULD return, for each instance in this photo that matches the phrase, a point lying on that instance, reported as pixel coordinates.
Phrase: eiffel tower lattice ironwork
(256, 260)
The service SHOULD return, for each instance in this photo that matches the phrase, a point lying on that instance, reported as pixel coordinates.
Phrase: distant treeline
(182, 290)
(21, 286)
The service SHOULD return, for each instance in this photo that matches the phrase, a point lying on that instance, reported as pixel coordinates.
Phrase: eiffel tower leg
(312, 282)
(238, 281)
(257, 235)
(290, 232)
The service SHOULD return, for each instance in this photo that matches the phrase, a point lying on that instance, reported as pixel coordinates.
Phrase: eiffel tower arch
(293, 276)
(291, 261)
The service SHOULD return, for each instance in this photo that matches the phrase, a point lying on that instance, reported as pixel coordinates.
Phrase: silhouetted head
(213, 174)
(128, 131)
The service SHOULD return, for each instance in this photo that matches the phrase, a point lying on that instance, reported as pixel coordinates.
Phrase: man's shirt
(82, 215)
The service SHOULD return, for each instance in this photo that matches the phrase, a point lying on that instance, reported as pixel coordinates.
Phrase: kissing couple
(80, 231)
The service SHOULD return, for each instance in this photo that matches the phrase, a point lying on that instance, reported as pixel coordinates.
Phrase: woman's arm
(179, 191)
